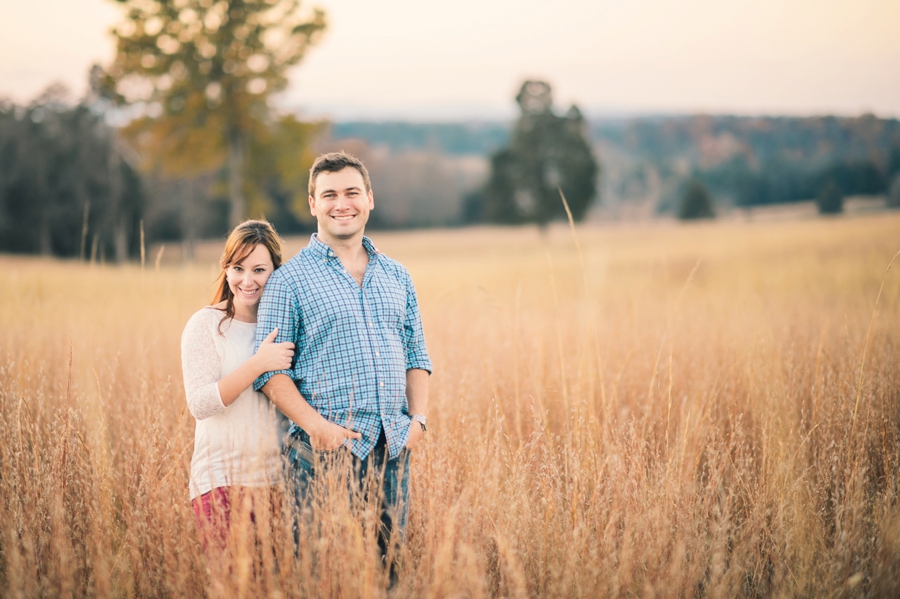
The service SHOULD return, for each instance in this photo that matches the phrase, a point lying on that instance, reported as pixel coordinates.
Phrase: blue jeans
(391, 477)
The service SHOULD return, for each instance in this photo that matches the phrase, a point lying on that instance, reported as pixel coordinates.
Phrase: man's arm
(278, 310)
(418, 365)
(417, 399)
(325, 435)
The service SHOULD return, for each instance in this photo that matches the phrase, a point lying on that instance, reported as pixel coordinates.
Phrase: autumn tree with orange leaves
(199, 76)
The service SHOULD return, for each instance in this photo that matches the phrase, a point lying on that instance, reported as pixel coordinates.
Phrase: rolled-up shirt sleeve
(278, 308)
(413, 335)
(200, 365)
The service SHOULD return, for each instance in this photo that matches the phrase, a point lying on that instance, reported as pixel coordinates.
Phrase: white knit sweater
(238, 445)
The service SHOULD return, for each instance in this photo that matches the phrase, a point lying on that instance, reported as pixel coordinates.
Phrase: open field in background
(696, 410)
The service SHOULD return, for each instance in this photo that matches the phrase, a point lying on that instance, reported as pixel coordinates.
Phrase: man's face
(341, 204)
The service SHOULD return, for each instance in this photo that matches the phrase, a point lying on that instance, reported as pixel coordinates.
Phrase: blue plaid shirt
(353, 344)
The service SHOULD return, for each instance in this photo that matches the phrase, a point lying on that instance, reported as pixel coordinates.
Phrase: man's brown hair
(334, 162)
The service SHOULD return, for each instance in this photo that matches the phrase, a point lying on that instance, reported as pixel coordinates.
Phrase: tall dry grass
(708, 410)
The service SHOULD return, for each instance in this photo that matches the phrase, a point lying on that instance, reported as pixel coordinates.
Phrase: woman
(237, 441)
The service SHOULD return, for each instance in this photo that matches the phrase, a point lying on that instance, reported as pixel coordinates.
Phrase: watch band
(420, 419)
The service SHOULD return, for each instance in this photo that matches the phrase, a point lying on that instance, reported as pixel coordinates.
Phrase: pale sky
(426, 60)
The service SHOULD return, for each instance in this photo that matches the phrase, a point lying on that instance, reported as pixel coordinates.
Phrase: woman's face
(247, 278)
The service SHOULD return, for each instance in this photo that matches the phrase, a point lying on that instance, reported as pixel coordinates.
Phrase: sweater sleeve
(200, 364)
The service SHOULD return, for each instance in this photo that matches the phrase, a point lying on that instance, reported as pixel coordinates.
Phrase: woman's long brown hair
(242, 240)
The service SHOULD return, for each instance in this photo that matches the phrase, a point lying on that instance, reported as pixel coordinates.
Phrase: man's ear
(312, 205)
(371, 200)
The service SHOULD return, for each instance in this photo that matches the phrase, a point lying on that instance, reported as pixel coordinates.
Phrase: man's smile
(341, 204)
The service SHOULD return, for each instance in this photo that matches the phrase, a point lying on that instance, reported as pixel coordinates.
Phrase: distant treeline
(744, 161)
(762, 160)
(70, 184)
(67, 185)
(769, 138)
(73, 185)
(456, 139)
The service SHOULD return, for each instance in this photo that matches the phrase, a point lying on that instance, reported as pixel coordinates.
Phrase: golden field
(707, 410)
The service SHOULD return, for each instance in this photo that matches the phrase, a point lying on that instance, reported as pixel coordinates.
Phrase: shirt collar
(321, 250)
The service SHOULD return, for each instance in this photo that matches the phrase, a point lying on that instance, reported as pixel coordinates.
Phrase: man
(359, 380)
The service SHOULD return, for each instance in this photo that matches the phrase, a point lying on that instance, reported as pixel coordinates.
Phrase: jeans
(387, 478)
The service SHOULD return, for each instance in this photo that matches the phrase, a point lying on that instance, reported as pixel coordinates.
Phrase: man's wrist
(420, 419)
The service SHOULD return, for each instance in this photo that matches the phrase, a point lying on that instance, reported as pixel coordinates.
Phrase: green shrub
(893, 197)
(830, 199)
(696, 202)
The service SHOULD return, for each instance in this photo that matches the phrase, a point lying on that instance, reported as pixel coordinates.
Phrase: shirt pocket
(390, 303)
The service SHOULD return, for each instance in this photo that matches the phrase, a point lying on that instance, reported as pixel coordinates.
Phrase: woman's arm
(206, 394)
(200, 365)
(270, 356)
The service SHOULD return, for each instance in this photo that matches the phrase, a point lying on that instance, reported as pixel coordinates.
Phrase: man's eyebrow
(351, 188)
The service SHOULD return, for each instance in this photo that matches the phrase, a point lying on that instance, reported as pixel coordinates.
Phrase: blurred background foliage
(547, 155)
(182, 135)
(201, 76)
(68, 185)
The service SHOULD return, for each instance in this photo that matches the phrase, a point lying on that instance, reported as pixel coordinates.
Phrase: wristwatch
(420, 419)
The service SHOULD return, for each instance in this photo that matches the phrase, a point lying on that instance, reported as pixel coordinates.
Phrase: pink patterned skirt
(219, 511)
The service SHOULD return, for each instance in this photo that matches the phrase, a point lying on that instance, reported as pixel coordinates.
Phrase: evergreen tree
(547, 153)
(893, 196)
(830, 199)
(696, 203)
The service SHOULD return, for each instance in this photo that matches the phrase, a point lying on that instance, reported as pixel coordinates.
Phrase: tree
(66, 181)
(696, 202)
(547, 154)
(278, 172)
(202, 74)
(830, 199)
(893, 196)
